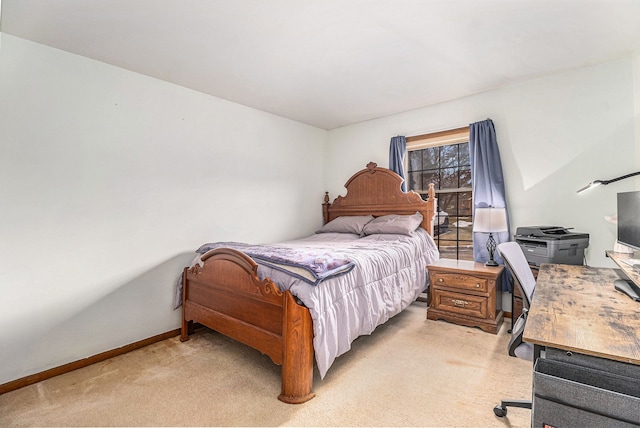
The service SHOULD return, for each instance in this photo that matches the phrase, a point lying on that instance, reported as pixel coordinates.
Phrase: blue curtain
(397, 148)
(488, 185)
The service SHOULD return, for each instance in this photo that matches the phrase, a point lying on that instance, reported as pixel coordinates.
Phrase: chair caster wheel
(500, 411)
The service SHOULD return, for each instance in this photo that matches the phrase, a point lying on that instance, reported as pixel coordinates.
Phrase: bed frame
(226, 295)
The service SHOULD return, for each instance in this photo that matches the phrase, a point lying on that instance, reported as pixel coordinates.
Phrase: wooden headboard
(377, 191)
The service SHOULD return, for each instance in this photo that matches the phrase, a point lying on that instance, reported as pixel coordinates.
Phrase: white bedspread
(389, 274)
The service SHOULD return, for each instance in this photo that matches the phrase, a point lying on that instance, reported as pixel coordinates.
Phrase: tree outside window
(448, 167)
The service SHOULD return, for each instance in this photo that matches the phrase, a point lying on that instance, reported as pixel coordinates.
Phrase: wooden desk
(576, 308)
(589, 374)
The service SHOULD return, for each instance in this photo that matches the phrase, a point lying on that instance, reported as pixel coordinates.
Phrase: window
(443, 159)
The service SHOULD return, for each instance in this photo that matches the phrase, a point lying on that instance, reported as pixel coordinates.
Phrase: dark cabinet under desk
(572, 389)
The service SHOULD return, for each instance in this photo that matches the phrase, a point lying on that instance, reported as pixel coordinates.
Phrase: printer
(552, 244)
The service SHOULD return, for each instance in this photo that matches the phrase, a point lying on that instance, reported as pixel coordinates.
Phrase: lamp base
(491, 248)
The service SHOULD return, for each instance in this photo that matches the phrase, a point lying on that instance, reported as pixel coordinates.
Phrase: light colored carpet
(410, 372)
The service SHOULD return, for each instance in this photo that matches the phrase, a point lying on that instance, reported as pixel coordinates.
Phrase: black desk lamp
(490, 220)
(605, 182)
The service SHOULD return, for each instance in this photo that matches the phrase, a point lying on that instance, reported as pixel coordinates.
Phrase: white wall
(108, 182)
(556, 134)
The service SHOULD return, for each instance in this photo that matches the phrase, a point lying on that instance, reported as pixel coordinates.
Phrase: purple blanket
(318, 263)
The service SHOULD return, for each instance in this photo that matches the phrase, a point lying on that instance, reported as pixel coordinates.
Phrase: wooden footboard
(226, 295)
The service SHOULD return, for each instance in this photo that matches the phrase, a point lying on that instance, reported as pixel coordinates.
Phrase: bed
(296, 322)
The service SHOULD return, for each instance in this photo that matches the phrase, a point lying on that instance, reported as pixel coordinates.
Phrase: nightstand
(465, 293)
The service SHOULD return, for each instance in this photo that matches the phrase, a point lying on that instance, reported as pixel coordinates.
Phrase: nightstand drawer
(460, 281)
(464, 304)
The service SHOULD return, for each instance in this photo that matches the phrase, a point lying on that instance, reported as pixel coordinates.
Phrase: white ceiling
(330, 63)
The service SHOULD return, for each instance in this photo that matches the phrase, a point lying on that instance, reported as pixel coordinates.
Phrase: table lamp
(489, 220)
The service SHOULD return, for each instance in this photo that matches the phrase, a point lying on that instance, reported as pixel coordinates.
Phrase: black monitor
(629, 219)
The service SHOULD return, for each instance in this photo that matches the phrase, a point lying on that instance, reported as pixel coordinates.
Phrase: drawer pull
(478, 285)
(440, 280)
(460, 303)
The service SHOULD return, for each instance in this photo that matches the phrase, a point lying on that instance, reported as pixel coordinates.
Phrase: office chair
(518, 267)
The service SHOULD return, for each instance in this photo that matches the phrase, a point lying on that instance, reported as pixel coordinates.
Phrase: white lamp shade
(490, 220)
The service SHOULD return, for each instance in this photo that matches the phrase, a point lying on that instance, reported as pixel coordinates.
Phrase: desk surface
(576, 308)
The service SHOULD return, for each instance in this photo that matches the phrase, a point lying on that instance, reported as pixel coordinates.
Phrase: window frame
(436, 139)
